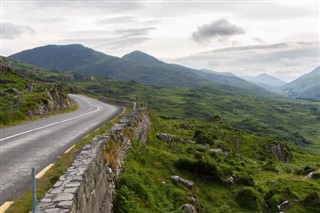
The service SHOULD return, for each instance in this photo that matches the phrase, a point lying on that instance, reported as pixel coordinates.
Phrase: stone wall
(89, 183)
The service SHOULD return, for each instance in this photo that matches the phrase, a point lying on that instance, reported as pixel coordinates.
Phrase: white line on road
(59, 122)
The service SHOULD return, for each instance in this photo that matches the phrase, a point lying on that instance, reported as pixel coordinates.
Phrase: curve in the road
(39, 143)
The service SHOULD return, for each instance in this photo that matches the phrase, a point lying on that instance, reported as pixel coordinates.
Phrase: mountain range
(306, 87)
(141, 67)
(137, 66)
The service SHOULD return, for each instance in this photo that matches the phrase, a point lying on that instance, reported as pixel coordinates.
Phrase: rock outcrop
(54, 99)
(185, 182)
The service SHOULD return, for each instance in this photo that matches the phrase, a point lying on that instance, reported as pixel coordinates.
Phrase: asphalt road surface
(39, 143)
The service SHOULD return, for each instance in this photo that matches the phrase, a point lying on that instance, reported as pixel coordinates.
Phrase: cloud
(11, 31)
(136, 31)
(221, 28)
(285, 60)
(117, 19)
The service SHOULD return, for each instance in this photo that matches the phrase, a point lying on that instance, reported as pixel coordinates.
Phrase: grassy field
(294, 121)
(145, 185)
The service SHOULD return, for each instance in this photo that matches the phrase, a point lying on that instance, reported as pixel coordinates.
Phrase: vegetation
(245, 150)
(22, 93)
(145, 185)
(294, 121)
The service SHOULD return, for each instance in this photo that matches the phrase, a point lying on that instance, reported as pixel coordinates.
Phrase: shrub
(247, 197)
(316, 175)
(312, 199)
(245, 180)
(201, 168)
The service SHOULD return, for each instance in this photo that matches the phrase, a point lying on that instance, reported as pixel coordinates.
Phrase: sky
(246, 38)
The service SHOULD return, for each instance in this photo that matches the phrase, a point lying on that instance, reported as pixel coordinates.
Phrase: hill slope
(24, 96)
(306, 86)
(137, 66)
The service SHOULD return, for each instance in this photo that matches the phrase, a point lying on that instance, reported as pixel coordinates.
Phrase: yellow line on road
(68, 150)
(5, 206)
(40, 174)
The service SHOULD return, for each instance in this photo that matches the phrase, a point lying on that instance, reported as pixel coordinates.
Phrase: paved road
(39, 143)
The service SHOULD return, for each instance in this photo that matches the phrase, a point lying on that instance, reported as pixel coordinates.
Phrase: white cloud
(221, 28)
(11, 31)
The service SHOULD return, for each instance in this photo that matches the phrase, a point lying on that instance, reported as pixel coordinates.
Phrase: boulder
(13, 91)
(189, 208)
(284, 206)
(219, 151)
(282, 153)
(185, 182)
(168, 138)
(309, 175)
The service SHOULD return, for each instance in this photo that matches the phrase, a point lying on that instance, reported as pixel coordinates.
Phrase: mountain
(219, 73)
(137, 66)
(269, 80)
(306, 86)
(140, 57)
(265, 79)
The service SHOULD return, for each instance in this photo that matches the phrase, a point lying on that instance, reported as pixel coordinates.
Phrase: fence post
(34, 197)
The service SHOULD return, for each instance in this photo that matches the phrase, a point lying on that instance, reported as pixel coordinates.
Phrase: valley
(231, 138)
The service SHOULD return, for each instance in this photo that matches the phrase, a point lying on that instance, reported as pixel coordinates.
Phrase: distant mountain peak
(141, 57)
(265, 78)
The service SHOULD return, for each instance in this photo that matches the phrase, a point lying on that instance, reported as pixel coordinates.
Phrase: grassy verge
(24, 203)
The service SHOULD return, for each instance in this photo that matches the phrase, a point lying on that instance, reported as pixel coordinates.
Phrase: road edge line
(68, 150)
(5, 206)
(43, 171)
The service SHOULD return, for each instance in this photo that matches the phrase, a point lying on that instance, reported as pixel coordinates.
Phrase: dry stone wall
(89, 183)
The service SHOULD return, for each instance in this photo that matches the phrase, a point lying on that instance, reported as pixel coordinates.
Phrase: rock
(284, 206)
(168, 138)
(219, 151)
(5, 81)
(232, 179)
(281, 153)
(187, 183)
(189, 208)
(309, 175)
(63, 197)
(3, 94)
(29, 86)
(13, 91)
(214, 118)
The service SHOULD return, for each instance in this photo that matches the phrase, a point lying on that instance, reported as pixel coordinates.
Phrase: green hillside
(306, 86)
(137, 66)
(231, 171)
(24, 96)
(296, 122)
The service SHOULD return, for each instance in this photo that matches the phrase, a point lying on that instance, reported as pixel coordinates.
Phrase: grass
(21, 106)
(145, 185)
(295, 121)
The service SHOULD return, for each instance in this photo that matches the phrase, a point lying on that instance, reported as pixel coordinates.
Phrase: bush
(201, 168)
(316, 175)
(311, 199)
(312, 202)
(245, 180)
(247, 197)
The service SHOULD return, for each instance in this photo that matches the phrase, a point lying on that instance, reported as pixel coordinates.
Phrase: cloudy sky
(244, 37)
